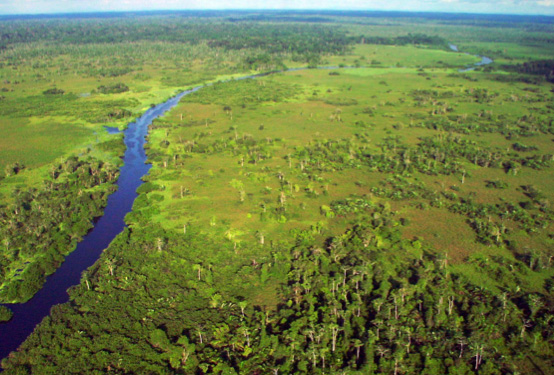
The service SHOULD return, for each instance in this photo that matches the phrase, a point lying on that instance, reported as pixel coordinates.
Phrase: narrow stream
(484, 60)
(27, 315)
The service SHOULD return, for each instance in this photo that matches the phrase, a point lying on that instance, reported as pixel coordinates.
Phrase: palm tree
(526, 323)
(110, 263)
(282, 199)
(261, 237)
(199, 331)
(358, 344)
(160, 243)
(478, 350)
(382, 351)
(7, 243)
(198, 268)
(86, 278)
(242, 305)
(335, 329)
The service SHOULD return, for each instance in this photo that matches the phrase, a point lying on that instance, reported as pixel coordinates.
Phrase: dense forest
(338, 194)
(43, 224)
(542, 67)
(296, 38)
(363, 302)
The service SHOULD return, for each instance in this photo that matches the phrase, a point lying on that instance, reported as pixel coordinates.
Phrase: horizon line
(94, 12)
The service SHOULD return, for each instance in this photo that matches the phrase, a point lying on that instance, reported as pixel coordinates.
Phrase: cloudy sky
(541, 7)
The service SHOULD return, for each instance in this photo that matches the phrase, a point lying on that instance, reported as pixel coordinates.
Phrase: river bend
(27, 315)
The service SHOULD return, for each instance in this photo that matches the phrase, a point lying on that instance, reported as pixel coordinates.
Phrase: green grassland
(402, 56)
(81, 108)
(238, 162)
(230, 187)
(379, 216)
(55, 104)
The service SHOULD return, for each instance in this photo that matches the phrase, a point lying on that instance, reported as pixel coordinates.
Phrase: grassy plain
(95, 89)
(458, 163)
(230, 194)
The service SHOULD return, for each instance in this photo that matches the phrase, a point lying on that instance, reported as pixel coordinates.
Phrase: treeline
(409, 39)
(303, 41)
(493, 224)
(439, 155)
(538, 122)
(40, 226)
(539, 67)
(273, 38)
(115, 88)
(55, 102)
(242, 93)
(358, 303)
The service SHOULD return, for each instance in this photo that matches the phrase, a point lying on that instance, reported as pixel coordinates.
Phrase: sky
(539, 7)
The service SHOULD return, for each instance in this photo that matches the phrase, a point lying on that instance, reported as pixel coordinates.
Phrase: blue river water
(484, 60)
(27, 315)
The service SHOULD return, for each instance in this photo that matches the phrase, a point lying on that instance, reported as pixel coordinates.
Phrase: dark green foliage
(523, 148)
(41, 226)
(245, 92)
(13, 169)
(364, 301)
(415, 39)
(301, 39)
(263, 61)
(115, 145)
(118, 114)
(115, 88)
(5, 314)
(532, 80)
(533, 193)
(341, 102)
(352, 205)
(496, 184)
(148, 187)
(54, 92)
(539, 67)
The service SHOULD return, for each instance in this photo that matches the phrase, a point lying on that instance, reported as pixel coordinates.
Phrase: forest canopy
(336, 193)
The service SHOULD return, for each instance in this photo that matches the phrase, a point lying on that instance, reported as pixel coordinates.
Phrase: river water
(27, 315)
(484, 60)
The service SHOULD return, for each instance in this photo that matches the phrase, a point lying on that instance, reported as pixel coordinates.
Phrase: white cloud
(478, 6)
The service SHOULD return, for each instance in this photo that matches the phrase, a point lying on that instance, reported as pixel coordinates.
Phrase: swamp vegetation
(389, 214)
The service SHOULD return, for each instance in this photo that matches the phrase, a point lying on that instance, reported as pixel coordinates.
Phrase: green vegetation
(116, 88)
(5, 314)
(393, 218)
(100, 79)
(42, 225)
(543, 68)
(241, 93)
(417, 39)
(363, 302)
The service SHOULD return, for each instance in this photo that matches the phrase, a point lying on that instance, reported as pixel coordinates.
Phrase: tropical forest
(277, 192)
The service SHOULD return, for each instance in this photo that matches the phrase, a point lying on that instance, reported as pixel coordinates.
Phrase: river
(27, 315)
(484, 60)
